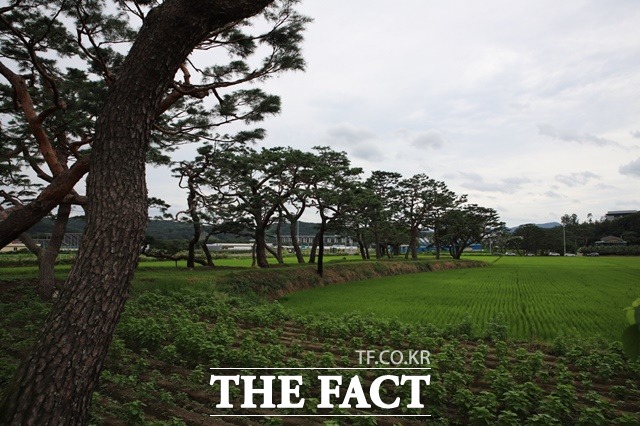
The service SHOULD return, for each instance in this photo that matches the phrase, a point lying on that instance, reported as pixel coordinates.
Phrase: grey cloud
(573, 136)
(359, 142)
(487, 187)
(471, 176)
(368, 152)
(576, 179)
(349, 133)
(516, 181)
(553, 194)
(506, 186)
(636, 134)
(429, 138)
(631, 169)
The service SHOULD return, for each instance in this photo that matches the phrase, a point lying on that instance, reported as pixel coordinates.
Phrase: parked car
(570, 254)
(509, 253)
(553, 253)
(595, 253)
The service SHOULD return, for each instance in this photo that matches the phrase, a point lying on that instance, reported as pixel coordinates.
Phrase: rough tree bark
(54, 383)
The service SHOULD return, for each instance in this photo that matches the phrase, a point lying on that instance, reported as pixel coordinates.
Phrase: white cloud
(476, 182)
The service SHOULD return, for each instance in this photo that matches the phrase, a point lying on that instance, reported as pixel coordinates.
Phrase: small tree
(332, 191)
(384, 187)
(297, 177)
(421, 201)
(467, 225)
(251, 183)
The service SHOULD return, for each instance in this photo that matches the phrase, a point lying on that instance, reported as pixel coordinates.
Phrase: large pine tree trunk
(55, 382)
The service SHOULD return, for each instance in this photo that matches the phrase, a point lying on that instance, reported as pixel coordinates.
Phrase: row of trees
(232, 187)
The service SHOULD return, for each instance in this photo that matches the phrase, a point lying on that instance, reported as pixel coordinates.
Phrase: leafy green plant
(497, 328)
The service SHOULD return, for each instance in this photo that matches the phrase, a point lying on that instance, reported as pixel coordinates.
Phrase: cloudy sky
(529, 107)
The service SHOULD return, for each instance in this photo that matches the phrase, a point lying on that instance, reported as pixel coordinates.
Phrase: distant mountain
(547, 225)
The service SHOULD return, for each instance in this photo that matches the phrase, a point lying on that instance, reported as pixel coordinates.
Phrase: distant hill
(163, 229)
(172, 230)
(548, 225)
(75, 225)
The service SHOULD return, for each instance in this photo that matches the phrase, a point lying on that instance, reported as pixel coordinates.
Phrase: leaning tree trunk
(436, 240)
(323, 228)
(314, 248)
(294, 241)
(413, 244)
(48, 256)
(376, 236)
(279, 254)
(193, 242)
(192, 202)
(18, 219)
(207, 252)
(261, 248)
(361, 246)
(55, 382)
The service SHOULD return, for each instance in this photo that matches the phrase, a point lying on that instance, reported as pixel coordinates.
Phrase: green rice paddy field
(539, 298)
